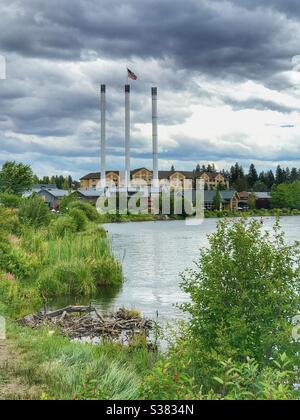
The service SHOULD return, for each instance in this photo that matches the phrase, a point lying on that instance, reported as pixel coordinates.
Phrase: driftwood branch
(90, 323)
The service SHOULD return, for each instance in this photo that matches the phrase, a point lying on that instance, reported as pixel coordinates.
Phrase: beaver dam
(79, 322)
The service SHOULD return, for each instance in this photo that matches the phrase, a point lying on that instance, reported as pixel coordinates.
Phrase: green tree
(252, 176)
(252, 201)
(66, 185)
(15, 178)
(260, 186)
(244, 292)
(280, 175)
(217, 201)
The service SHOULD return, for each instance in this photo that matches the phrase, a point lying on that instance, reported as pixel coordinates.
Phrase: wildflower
(9, 277)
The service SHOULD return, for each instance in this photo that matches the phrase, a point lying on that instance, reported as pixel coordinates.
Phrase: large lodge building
(143, 176)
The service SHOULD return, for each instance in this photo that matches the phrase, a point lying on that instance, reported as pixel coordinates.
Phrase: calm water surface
(153, 255)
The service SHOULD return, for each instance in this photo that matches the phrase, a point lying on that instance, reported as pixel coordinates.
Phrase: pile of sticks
(87, 322)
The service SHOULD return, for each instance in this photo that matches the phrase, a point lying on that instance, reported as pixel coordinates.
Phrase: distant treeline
(61, 182)
(254, 180)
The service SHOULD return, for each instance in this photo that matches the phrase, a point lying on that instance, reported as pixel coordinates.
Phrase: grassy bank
(63, 255)
(59, 369)
(44, 256)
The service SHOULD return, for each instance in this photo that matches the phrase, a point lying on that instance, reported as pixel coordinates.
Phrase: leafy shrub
(33, 211)
(89, 210)
(244, 291)
(10, 200)
(247, 381)
(172, 378)
(9, 222)
(14, 260)
(79, 218)
(66, 202)
(106, 271)
(62, 226)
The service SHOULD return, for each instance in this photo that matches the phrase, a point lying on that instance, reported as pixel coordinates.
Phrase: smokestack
(154, 138)
(103, 136)
(127, 136)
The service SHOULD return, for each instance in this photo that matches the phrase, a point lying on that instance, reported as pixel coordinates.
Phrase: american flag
(131, 75)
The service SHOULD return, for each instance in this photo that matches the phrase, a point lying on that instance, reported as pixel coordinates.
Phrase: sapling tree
(244, 293)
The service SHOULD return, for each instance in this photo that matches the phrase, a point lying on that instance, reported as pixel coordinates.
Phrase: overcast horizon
(227, 72)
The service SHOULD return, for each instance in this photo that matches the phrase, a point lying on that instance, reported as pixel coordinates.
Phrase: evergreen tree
(252, 176)
(217, 201)
(280, 175)
(270, 179)
(294, 175)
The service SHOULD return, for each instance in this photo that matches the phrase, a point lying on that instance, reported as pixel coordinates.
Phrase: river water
(153, 255)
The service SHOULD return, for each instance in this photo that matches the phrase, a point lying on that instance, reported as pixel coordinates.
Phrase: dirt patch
(12, 386)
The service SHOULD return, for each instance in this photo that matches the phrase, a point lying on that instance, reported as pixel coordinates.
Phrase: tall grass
(64, 368)
(79, 264)
(74, 247)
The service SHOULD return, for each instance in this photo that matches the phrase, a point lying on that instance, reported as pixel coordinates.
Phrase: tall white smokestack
(154, 138)
(127, 136)
(103, 136)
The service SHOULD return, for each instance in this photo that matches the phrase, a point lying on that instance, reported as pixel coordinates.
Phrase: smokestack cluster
(155, 183)
(103, 136)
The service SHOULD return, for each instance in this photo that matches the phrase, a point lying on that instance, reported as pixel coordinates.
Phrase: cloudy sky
(228, 74)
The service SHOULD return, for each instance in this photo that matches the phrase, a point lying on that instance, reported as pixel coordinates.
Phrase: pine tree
(280, 175)
(217, 201)
(252, 176)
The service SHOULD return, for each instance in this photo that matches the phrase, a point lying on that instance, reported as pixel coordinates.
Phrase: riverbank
(208, 214)
(45, 256)
(48, 366)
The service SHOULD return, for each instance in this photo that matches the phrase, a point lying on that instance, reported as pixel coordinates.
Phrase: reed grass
(79, 264)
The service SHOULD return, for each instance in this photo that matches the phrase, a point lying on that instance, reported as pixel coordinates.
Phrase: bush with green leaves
(247, 381)
(79, 218)
(173, 377)
(62, 226)
(34, 212)
(9, 222)
(244, 293)
(10, 200)
(89, 210)
(15, 261)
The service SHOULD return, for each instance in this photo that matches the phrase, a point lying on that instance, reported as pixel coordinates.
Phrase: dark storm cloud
(171, 43)
(209, 36)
